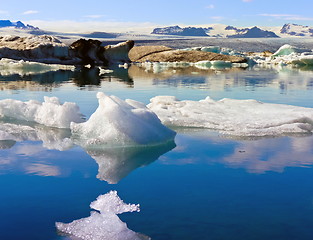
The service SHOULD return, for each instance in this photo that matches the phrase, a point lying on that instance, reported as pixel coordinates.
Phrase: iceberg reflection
(117, 163)
(103, 224)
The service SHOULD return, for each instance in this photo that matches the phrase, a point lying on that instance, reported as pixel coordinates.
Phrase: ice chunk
(117, 122)
(21, 67)
(287, 50)
(234, 117)
(105, 224)
(49, 113)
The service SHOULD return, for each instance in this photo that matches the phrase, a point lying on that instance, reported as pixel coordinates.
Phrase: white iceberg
(22, 67)
(117, 122)
(49, 113)
(234, 117)
(103, 224)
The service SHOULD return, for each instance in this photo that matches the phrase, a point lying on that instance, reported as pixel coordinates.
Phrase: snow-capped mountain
(176, 30)
(224, 31)
(18, 25)
(297, 30)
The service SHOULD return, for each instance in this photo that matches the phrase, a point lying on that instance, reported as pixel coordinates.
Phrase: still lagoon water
(204, 186)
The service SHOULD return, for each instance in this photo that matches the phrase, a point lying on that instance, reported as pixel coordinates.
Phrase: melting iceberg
(104, 224)
(50, 113)
(234, 117)
(117, 122)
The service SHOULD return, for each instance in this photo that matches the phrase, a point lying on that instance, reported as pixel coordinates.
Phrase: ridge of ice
(234, 117)
(121, 123)
(105, 224)
(49, 113)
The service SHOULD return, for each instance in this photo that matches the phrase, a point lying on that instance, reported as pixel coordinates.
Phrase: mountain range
(18, 25)
(213, 30)
(219, 30)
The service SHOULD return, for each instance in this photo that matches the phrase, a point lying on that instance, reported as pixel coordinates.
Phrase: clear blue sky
(132, 14)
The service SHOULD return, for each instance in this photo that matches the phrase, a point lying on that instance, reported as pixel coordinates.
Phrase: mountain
(176, 30)
(18, 25)
(297, 30)
(216, 31)
(254, 32)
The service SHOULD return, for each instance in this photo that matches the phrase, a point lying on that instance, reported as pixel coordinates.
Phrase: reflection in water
(256, 156)
(117, 163)
(103, 224)
(114, 163)
(46, 81)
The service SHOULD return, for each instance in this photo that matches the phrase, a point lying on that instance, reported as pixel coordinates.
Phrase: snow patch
(103, 224)
(234, 117)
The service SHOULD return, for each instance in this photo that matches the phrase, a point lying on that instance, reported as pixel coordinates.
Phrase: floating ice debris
(118, 122)
(105, 224)
(234, 117)
(49, 113)
(22, 67)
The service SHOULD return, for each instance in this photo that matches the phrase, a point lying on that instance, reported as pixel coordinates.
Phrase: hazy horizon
(143, 16)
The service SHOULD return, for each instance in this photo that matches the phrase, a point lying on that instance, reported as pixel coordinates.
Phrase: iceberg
(22, 67)
(49, 113)
(247, 118)
(103, 224)
(121, 123)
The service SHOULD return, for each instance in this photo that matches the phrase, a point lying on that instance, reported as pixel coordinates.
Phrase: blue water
(202, 187)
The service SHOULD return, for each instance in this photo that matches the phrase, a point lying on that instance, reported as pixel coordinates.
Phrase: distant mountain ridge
(233, 32)
(297, 30)
(18, 24)
(176, 30)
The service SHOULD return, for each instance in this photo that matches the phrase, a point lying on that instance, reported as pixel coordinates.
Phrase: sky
(144, 15)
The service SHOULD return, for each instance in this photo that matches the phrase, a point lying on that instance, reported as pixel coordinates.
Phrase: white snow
(234, 117)
(49, 113)
(105, 224)
(118, 122)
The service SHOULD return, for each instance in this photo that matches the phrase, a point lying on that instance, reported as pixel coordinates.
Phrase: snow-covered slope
(297, 30)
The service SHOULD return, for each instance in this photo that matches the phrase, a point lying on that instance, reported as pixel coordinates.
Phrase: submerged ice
(234, 117)
(103, 224)
(118, 122)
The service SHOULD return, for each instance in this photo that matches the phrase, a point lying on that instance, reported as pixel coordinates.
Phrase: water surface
(203, 186)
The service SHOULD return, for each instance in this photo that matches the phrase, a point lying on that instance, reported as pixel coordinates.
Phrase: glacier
(244, 118)
(103, 224)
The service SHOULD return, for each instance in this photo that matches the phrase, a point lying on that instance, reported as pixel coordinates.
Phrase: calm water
(202, 187)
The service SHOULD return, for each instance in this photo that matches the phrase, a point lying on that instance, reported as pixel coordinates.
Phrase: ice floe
(22, 67)
(234, 117)
(103, 224)
(49, 113)
(117, 122)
